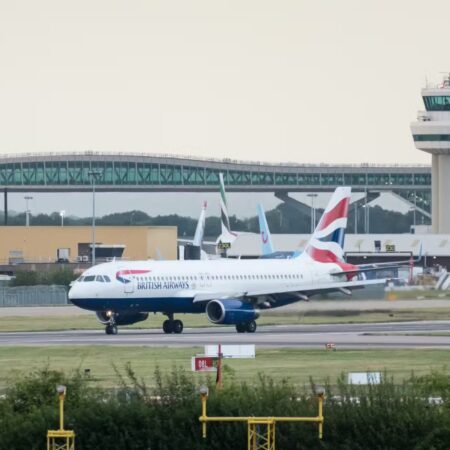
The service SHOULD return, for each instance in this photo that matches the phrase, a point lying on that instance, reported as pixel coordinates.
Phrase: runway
(379, 335)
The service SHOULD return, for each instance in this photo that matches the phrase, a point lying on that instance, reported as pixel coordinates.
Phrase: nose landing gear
(111, 328)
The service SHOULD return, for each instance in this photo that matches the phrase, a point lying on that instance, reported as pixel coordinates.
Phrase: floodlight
(61, 389)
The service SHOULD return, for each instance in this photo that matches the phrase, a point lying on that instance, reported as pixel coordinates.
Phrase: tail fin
(327, 242)
(266, 238)
(200, 230)
(226, 229)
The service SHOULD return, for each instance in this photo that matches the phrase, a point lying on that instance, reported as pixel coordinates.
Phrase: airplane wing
(302, 292)
(369, 268)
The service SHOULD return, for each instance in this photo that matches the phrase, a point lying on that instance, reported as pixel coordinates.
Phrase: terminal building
(40, 245)
(431, 133)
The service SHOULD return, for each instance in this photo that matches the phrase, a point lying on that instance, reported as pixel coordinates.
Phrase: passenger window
(106, 278)
(89, 278)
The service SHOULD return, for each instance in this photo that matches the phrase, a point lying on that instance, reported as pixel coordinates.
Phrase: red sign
(204, 364)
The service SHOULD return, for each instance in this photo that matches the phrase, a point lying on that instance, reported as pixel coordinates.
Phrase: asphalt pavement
(379, 335)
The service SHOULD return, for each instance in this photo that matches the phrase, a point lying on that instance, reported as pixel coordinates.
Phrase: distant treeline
(414, 415)
(282, 219)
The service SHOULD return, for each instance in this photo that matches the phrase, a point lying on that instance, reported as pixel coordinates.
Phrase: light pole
(413, 209)
(93, 174)
(27, 211)
(62, 214)
(312, 196)
(367, 218)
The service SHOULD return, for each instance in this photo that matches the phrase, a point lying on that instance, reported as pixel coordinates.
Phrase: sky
(279, 81)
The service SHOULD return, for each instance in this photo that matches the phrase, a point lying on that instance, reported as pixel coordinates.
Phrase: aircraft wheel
(250, 327)
(177, 326)
(168, 326)
(240, 327)
(111, 329)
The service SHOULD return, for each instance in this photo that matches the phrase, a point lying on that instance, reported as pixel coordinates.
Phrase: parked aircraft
(267, 249)
(229, 291)
(227, 237)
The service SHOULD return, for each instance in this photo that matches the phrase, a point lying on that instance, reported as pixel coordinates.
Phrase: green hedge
(165, 417)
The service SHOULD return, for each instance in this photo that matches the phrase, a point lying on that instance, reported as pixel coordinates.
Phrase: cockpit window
(89, 278)
(107, 279)
(80, 279)
(99, 278)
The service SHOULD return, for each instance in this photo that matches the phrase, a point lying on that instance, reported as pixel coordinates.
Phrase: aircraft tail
(200, 230)
(266, 238)
(327, 242)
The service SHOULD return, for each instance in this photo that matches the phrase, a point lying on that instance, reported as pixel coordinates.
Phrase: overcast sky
(302, 81)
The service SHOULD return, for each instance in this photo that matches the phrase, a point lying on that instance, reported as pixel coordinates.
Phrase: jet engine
(104, 317)
(230, 312)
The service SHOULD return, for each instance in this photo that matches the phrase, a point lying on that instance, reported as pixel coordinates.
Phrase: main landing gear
(246, 327)
(172, 326)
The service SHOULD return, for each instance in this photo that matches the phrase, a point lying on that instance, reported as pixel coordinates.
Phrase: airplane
(227, 237)
(229, 291)
(198, 236)
(267, 249)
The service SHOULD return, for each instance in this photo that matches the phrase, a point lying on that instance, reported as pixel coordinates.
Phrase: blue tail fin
(266, 238)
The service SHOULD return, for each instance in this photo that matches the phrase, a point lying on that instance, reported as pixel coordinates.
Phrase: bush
(63, 277)
(165, 417)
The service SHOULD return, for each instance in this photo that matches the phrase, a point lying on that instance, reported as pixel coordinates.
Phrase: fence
(33, 296)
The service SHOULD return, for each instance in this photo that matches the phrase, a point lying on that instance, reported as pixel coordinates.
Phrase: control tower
(431, 133)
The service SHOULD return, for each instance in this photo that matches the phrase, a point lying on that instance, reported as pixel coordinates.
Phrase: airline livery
(229, 291)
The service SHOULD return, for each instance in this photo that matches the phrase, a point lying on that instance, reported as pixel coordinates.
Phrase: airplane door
(129, 287)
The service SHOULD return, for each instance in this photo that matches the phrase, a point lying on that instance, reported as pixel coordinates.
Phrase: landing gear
(168, 326)
(177, 326)
(246, 327)
(111, 329)
(172, 326)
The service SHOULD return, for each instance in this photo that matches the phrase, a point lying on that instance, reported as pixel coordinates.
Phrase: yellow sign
(224, 245)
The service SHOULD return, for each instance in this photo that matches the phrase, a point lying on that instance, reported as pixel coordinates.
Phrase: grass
(296, 364)
(89, 321)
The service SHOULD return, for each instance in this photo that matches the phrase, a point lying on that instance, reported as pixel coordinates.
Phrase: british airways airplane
(229, 291)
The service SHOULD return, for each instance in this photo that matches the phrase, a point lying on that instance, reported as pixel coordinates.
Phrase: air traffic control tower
(431, 133)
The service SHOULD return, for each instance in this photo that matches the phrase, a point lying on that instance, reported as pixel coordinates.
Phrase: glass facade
(140, 174)
(431, 137)
(437, 103)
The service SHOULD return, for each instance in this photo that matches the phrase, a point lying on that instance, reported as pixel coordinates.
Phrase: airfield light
(61, 439)
(61, 389)
(204, 391)
(320, 390)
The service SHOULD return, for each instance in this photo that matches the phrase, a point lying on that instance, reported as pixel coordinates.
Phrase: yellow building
(41, 243)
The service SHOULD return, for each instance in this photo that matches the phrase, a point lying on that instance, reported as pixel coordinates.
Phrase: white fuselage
(156, 285)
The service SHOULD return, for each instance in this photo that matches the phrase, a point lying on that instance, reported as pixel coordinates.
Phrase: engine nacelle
(230, 312)
(121, 318)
